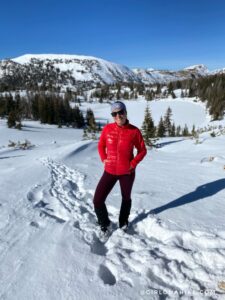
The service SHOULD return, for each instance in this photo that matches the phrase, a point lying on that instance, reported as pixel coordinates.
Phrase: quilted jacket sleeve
(141, 149)
(102, 145)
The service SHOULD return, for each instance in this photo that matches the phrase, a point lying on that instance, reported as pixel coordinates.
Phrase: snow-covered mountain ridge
(163, 76)
(73, 70)
(67, 69)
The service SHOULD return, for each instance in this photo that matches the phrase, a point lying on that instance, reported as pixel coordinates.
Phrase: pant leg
(126, 184)
(103, 189)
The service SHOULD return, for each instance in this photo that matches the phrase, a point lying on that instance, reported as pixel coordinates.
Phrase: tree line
(36, 79)
(45, 107)
(210, 90)
(165, 128)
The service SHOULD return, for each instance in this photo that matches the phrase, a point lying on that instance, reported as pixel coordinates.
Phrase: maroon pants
(106, 184)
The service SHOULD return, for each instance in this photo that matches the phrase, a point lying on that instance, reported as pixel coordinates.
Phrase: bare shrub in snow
(21, 145)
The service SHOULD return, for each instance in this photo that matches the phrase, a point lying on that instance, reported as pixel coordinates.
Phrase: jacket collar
(126, 125)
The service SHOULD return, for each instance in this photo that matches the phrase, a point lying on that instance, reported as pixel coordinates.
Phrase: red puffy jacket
(116, 145)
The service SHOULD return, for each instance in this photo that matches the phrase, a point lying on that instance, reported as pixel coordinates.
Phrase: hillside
(49, 248)
(70, 71)
(74, 71)
(151, 76)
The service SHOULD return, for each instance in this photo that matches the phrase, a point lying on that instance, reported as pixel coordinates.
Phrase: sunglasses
(120, 113)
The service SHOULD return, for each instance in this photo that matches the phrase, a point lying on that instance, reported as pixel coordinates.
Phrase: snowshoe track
(64, 197)
(150, 255)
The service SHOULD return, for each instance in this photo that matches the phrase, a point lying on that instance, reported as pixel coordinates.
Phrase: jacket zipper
(117, 150)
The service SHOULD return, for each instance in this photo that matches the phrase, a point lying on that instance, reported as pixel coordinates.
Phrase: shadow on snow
(6, 157)
(203, 191)
(160, 145)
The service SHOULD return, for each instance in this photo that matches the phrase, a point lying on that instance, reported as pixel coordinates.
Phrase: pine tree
(2, 106)
(10, 104)
(173, 130)
(140, 89)
(158, 89)
(19, 125)
(192, 88)
(148, 95)
(185, 131)
(90, 119)
(18, 104)
(35, 107)
(193, 131)
(170, 88)
(77, 118)
(85, 135)
(178, 131)
(165, 93)
(126, 95)
(161, 128)
(62, 113)
(93, 135)
(118, 93)
(68, 95)
(173, 95)
(167, 121)
(42, 108)
(178, 85)
(182, 94)
(11, 122)
(148, 128)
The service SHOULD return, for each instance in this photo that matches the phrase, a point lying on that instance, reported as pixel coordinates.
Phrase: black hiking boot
(124, 214)
(103, 218)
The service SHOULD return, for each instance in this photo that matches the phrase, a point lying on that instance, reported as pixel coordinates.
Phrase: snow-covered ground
(184, 111)
(49, 248)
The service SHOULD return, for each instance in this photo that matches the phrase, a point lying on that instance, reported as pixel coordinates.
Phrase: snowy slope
(71, 70)
(48, 243)
(82, 68)
(218, 71)
(162, 76)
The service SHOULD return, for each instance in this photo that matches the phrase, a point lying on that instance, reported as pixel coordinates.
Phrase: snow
(184, 111)
(200, 68)
(162, 76)
(155, 76)
(26, 58)
(83, 68)
(89, 68)
(48, 243)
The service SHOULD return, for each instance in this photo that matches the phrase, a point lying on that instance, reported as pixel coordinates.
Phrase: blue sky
(162, 34)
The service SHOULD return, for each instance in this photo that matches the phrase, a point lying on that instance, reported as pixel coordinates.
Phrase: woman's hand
(105, 161)
(132, 170)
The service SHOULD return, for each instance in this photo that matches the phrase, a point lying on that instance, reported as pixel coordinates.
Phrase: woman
(115, 148)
